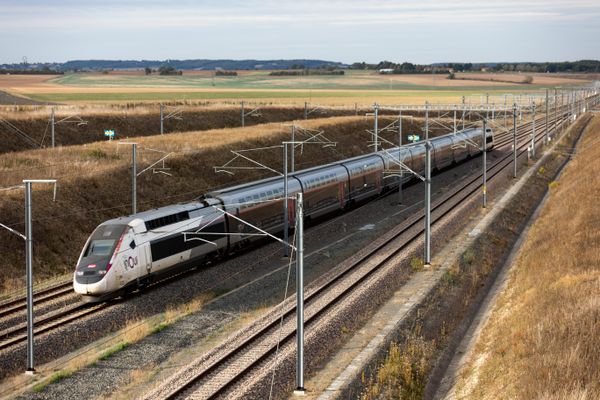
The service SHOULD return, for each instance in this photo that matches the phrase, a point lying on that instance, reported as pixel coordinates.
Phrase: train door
(342, 193)
(131, 260)
(378, 181)
(144, 260)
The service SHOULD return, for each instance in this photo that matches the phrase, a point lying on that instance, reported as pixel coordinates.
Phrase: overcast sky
(422, 31)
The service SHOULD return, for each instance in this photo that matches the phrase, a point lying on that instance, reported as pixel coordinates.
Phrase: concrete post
(376, 126)
(427, 249)
(52, 124)
(162, 118)
(243, 115)
(285, 201)
(29, 278)
(399, 155)
(299, 295)
(427, 120)
(515, 140)
(134, 178)
(484, 148)
(533, 130)
(546, 136)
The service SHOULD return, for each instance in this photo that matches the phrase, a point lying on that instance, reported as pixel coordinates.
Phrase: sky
(423, 31)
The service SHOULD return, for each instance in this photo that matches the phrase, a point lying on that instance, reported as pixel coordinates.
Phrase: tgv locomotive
(126, 253)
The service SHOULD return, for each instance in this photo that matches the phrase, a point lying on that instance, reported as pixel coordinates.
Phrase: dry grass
(133, 120)
(70, 162)
(542, 340)
(403, 374)
(129, 109)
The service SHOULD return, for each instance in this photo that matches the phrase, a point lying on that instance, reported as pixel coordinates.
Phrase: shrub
(417, 264)
(468, 257)
(225, 73)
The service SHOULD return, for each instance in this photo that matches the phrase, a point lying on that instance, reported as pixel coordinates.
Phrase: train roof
(159, 212)
(274, 179)
(227, 190)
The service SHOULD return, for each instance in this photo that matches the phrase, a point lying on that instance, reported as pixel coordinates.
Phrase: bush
(100, 154)
(468, 257)
(164, 70)
(417, 264)
(225, 73)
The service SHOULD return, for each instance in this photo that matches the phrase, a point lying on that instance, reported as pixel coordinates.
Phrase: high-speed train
(129, 252)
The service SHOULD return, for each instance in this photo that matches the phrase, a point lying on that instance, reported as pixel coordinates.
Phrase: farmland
(363, 87)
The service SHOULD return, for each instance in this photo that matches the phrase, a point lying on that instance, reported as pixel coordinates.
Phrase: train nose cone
(91, 270)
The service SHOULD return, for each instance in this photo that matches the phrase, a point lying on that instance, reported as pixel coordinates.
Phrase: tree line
(410, 68)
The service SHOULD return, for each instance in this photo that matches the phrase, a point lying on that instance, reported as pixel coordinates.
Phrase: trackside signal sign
(110, 133)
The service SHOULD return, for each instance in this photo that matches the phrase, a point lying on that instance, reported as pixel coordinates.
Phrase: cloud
(152, 14)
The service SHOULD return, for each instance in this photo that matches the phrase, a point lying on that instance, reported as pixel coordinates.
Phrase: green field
(352, 80)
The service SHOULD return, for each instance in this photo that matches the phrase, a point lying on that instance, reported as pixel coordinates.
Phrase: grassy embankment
(134, 121)
(543, 337)
(94, 182)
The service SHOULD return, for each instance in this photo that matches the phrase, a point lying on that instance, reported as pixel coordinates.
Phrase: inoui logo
(130, 262)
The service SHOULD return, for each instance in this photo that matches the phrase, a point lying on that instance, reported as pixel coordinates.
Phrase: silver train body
(128, 252)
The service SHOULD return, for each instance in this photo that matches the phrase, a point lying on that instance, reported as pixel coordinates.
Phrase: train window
(270, 194)
(255, 197)
(100, 247)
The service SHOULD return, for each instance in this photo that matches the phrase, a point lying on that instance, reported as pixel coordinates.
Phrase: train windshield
(104, 240)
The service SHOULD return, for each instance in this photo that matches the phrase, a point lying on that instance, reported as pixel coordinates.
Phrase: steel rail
(459, 194)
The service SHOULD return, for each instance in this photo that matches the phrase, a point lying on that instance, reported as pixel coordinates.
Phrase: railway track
(45, 323)
(55, 319)
(18, 334)
(216, 374)
(40, 297)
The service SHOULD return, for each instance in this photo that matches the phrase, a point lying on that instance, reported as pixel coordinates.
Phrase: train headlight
(102, 272)
(79, 273)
